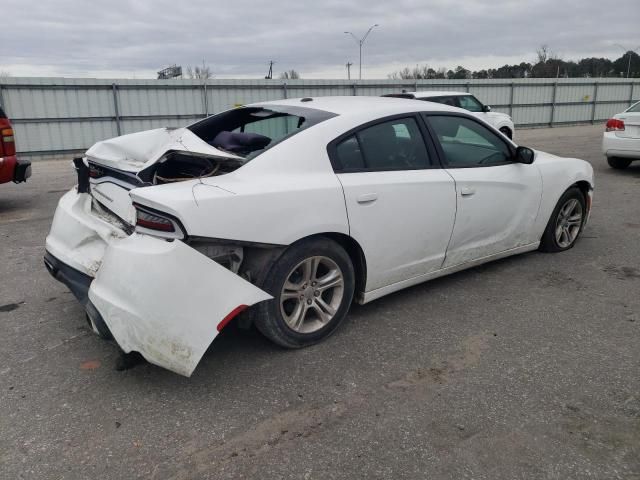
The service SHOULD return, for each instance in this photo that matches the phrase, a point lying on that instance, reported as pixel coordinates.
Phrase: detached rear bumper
(160, 298)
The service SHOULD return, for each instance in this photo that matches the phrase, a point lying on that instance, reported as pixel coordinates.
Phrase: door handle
(467, 191)
(367, 198)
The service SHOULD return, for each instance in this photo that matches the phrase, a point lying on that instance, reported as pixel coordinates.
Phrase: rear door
(400, 203)
(497, 199)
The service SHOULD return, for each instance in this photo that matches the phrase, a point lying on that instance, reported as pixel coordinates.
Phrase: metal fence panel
(573, 113)
(531, 115)
(56, 116)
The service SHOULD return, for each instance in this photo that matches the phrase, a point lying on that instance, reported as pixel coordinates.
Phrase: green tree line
(546, 65)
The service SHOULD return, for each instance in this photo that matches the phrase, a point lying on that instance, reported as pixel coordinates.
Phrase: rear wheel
(618, 163)
(312, 285)
(565, 223)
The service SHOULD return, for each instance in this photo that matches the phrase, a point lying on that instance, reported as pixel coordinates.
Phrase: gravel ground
(526, 368)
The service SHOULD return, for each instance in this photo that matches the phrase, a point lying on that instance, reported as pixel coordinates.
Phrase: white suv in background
(621, 140)
(500, 121)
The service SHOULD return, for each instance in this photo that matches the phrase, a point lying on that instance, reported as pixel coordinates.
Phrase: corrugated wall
(57, 117)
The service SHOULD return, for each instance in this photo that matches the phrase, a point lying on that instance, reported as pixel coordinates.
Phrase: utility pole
(349, 70)
(360, 42)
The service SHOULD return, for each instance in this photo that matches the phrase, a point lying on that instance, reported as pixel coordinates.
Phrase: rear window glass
(2, 115)
(250, 131)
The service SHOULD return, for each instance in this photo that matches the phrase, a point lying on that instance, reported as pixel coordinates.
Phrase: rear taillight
(7, 143)
(154, 222)
(615, 125)
(151, 221)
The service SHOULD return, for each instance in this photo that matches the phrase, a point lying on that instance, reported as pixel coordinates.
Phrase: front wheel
(312, 285)
(618, 163)
(566, 222)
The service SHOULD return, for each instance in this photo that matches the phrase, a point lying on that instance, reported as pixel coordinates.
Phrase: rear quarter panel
(285, 194)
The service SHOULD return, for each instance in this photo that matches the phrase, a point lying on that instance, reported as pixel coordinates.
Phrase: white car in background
(501, 121)
(621, 139)
(296, 207)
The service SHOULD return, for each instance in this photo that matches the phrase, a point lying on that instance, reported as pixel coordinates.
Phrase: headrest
(240, 141)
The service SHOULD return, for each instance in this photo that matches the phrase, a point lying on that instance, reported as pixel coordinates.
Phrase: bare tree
(4, 74)
(418, 72)
(199, 73)
(290, 75)
(547, 63)
(543, 54)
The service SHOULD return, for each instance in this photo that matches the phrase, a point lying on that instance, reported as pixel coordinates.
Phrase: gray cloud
(238, 38)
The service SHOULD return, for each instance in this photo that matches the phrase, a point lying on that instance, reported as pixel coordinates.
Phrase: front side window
(467, 143)
(469, 102)
(392, 145)
(443, 100)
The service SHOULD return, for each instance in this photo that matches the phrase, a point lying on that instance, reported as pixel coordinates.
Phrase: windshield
(250, 131)
(634, 108)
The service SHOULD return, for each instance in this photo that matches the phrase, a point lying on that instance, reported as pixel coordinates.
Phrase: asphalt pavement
(526, 368)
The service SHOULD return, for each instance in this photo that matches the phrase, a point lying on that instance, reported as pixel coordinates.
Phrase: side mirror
(486, 108)
(525, 155)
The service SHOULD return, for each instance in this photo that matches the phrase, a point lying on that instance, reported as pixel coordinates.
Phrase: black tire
(549, 241)
(507, 132)
(618, 163)
(268, 316)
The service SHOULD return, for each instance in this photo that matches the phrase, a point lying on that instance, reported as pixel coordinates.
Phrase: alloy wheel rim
(312, 294)
(568, 223)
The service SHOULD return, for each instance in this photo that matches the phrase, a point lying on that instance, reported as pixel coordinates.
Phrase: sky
(237, 39)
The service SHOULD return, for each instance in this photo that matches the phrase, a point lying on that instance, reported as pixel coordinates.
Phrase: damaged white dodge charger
(296, 207)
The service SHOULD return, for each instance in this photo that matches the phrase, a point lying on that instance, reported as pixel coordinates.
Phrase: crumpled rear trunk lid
(120, 164)
(136, 151)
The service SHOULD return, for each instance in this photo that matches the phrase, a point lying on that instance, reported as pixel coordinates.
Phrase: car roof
(373, 106)
(437, 93)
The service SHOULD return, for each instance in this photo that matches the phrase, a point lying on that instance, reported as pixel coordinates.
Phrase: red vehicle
(11, 169)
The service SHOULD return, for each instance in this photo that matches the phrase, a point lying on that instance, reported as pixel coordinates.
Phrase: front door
(497, 198)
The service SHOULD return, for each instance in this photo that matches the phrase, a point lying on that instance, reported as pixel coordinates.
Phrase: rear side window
(349, 154)
(392, 145)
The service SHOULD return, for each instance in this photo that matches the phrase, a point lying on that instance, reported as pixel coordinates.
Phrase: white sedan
(621, 140)
(297, 208)
(467, 101)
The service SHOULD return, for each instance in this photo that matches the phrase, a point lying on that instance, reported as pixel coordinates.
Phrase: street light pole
(629, 51)
(360, 42)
